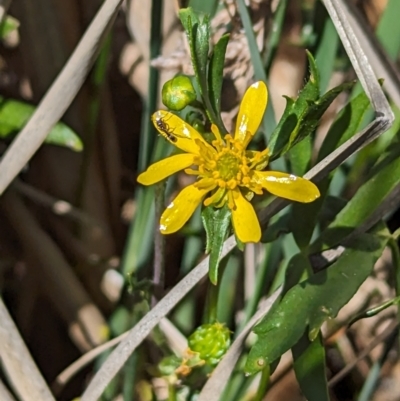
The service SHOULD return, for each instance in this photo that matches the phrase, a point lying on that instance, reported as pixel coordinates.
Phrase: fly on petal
(177, 131)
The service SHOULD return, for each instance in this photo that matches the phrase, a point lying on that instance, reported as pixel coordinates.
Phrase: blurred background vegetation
(76, 230)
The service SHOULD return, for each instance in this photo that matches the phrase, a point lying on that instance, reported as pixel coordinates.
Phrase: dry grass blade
(21, 370)
(358, 58)
(58, 97)
(65, 291)
(176, 341)
(215, 384)
(4, 393)
(139, 332)
(377, 340)
(65, 376)
(377, 57)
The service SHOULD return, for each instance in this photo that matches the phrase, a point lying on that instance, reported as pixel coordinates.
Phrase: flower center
(228, 165)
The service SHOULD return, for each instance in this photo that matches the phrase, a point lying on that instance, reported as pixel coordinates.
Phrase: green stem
(262, 387)
(212, 302)
(171, 392)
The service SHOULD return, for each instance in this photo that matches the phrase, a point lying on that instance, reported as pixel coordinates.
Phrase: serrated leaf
(215, 75)
(217, 223)
(308, 304)
(198, 33)
(202, 46)
(301, 116)
(8, 25)
(15, 114)
(310, 368)
(294, 110)
(184, 15)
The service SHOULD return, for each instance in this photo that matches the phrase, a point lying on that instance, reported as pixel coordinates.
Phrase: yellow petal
(177, 131)
(287, 186)
(244, 219)
(251, 112)
(180, 209)
(164, 168)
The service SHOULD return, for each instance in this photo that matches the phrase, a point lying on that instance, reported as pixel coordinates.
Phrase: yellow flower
(225, 170)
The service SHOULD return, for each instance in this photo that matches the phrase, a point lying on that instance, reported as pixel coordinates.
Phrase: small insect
(164, 127)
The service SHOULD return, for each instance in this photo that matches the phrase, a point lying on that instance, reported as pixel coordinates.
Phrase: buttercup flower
(226, 171)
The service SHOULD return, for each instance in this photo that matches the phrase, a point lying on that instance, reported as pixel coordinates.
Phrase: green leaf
(308, 304)
(309, 367)
(300, 157)
(301, 116)
(327, 49)
(215, 76)
(268, 123)
(15, 114)
(294, 111)
(346, 125)
(276, 229)
(206, 7)
(367, 199)
(217, 223)
(8, 25)
(198, 33)
(304, 217)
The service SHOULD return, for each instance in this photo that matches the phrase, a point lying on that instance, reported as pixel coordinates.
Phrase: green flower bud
(211, 341)
(178, 92)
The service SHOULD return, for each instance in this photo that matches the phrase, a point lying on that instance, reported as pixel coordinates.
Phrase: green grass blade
(259, 69)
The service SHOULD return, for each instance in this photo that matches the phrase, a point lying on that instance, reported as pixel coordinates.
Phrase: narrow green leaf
(326, 52)
(15, 114)
(268, 123)
(217, 223)
(304, 217)
(309, 367)
(346, 125)
(388, 29)
(215, 75)
(310, 303)
(374, 311)
(294, 110)
(186, 14)
(202, 47)
(276, 229)
(300, 157)
(205, 7)
(301, 116)
(369, 196)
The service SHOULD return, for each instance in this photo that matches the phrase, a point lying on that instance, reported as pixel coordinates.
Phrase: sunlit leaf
(308, 304)
(15, 114)
(217, 223)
